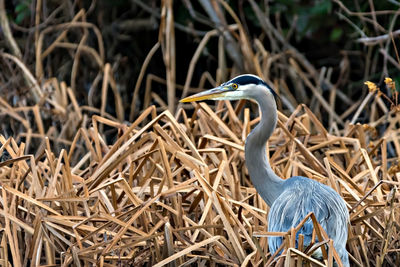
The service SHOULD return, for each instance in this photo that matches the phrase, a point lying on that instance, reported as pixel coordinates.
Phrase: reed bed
(81, 187)
(175, 190)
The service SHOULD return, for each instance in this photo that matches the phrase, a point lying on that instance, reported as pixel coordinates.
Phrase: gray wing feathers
(302, 196)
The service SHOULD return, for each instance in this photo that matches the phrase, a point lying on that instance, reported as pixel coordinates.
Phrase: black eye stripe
(247, 79)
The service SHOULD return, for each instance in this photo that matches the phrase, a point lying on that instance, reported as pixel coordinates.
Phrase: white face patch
(231, 95)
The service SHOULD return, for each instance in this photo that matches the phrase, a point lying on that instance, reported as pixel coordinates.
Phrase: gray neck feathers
(266, 182)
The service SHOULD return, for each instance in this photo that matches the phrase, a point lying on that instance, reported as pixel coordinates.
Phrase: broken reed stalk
(179, 185)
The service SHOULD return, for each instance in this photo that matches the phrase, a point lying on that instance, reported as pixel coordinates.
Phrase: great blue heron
(292, 199)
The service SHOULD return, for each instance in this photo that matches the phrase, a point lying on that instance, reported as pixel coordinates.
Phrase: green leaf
(322, 8)
(21, 7)
(22, 10)
(397, 81)
(335, 35)
(21, 17)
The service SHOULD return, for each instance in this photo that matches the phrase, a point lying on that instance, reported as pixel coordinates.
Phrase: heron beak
(214, 93)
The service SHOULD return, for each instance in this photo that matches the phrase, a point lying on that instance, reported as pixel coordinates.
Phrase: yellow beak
(215, 93)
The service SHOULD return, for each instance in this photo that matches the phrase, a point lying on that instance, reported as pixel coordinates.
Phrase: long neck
(266, 182)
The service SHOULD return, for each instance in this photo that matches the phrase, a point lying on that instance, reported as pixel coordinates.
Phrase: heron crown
(248, 79)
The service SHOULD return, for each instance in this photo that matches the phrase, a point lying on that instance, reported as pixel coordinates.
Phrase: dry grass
(173, 189)
(81, 187)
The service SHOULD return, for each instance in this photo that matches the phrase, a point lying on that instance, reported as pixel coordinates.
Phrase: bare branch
(378, 39)
(7, 32)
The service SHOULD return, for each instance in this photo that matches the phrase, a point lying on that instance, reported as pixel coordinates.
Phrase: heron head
(246, 86)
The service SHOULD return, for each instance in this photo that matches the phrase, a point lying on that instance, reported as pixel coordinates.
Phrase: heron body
(292, 199)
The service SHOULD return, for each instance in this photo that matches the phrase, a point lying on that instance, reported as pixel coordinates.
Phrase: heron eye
(234, 86)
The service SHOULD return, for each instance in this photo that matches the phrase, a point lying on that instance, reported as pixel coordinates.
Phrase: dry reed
(174, 189)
